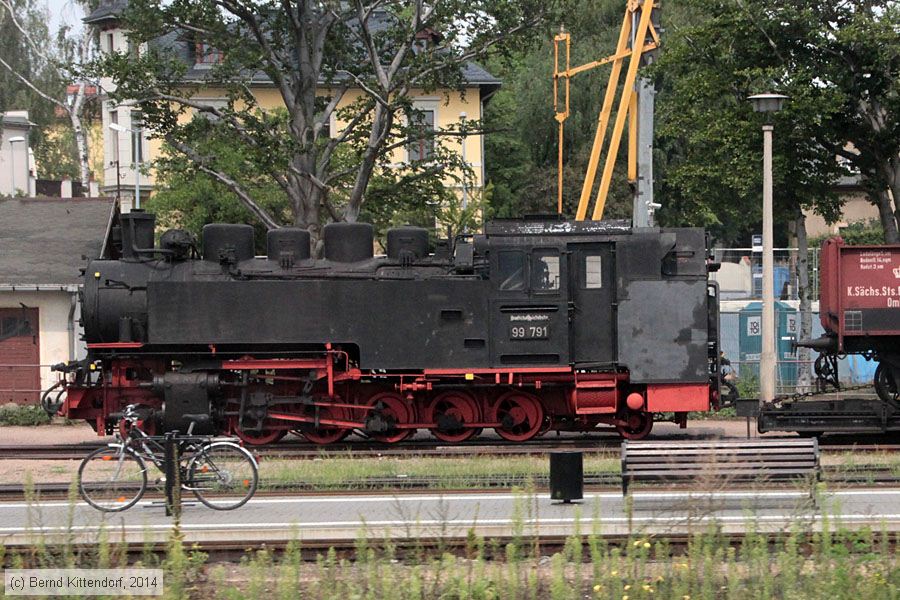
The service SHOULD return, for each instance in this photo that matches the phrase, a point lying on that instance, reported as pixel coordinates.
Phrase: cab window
(593, 271)
(545, 270)
(511, 270)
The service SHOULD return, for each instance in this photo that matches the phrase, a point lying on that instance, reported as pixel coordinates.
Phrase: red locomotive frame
(519, 403)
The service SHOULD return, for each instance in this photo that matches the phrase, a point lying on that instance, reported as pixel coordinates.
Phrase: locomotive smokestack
(137, 232)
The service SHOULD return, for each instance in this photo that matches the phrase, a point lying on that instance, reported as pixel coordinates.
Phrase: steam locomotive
(534, 325)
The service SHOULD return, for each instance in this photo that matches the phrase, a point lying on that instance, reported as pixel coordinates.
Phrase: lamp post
(462, 130)
(12, 159)
(136, 139)
(767, 103)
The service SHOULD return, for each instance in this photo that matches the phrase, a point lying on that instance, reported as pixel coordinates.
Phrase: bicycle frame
(152, 449)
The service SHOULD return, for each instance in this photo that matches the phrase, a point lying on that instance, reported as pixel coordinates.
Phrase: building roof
(108, 10)
(14, 121)
(44, 241)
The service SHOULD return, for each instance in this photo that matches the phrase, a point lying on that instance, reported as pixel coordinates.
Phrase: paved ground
(342, 517)
(73, 434)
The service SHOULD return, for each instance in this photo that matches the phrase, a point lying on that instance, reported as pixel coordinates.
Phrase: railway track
(365, 449)
(869, 475)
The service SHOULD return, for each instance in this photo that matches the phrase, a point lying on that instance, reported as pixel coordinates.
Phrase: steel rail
(366, 449)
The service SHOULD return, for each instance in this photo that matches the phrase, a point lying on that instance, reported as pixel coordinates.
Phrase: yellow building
(123, 143)
(856, 207)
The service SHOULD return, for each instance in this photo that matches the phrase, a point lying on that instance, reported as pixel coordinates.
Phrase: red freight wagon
(859, 306)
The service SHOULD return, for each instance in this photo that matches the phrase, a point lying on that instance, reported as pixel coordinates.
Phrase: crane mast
(638, 39)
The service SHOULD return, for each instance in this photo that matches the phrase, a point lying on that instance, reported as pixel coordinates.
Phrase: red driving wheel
(253, 437)
(326, 434)
(395, 409)
(451, 407)
(520, 416)
(638, 425)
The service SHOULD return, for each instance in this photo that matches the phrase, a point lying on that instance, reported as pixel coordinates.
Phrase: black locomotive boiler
(534, 325)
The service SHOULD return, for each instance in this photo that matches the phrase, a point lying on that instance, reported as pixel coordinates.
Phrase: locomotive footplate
(849, 415)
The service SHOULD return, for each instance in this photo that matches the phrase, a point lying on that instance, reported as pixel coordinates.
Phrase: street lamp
(136, 139)
(462, 130)
(18, 139)
(767, 103)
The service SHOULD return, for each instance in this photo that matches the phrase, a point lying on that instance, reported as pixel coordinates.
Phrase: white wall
(55, 338)
(14, 156)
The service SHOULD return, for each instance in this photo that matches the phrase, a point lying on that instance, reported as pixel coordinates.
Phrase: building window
(207, 54)
(217, 103)
(421, 136)
(15, 326)
(545, 270)
(114, 137)
(110, 43)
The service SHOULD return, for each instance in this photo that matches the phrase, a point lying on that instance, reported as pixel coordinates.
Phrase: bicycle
(220, 473)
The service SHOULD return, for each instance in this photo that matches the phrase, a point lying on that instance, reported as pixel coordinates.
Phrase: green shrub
(12, 414)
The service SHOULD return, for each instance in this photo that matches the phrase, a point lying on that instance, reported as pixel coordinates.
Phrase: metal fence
(741, 340)
(740, 276)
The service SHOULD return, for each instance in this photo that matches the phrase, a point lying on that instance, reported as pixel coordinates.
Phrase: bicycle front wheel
(222, 475)
(112, 479)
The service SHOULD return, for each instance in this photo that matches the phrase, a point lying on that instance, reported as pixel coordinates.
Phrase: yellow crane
(637, 36)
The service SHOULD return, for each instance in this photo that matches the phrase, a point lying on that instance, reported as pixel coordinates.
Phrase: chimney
(93, 187)
(65, 190)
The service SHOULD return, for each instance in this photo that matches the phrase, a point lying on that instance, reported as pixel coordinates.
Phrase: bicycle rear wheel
(222, 475)
(112, 479)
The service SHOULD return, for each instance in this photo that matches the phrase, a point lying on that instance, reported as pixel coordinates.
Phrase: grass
(446, 473)
(15, 415)
(342, 472)
(830, 562)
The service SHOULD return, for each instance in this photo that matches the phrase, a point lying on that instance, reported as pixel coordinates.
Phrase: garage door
(20, 375)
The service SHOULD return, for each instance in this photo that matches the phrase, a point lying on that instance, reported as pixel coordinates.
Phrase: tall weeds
(831, 562)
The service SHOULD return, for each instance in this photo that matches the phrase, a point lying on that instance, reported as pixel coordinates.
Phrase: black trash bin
(566, 476)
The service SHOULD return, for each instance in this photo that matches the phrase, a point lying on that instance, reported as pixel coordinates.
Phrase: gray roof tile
(43, 240)
(107, 11)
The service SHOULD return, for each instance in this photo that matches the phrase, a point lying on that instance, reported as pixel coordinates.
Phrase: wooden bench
(728, 461)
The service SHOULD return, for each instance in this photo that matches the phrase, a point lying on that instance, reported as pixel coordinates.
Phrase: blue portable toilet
(787, 327)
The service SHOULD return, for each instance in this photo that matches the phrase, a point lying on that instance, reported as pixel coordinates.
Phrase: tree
(522, 159)
(839, 63)
(45, 68)
(314, 54)
(857, 49)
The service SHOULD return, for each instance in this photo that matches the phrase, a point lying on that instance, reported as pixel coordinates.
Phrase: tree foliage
(314, 55)
(837, 60)
(23, 59)
(522, 159)
(35, 74)
(717, 55)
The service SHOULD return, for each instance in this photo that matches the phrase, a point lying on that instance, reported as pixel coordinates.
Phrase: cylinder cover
(221, 241)
(348, 242)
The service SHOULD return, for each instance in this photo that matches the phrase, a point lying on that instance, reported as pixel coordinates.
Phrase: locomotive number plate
(529, 332)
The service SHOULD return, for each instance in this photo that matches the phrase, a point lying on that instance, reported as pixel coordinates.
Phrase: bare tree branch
(365, 36)
(32, 86)
(25, 34)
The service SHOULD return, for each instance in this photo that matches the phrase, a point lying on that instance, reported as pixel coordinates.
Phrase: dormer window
(424, 40)
(207, 54)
